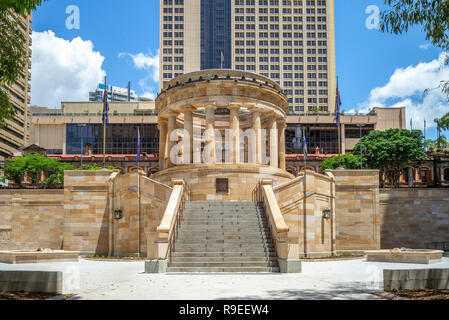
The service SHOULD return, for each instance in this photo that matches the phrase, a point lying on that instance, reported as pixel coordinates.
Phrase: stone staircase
(230, 237)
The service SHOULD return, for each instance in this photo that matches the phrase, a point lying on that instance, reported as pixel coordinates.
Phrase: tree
(432, 15)
(347, 161)
(20, 6)
(13, 56)
(391, 151)
(32, 166)
(444, 122)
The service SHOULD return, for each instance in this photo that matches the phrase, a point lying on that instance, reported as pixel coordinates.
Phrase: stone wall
(243, 178)
(31, 219)
(86, 204)
(357, 214)
(413, 217)
(154, 197)
(302, 202)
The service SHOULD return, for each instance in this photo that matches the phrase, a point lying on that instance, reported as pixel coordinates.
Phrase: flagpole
(337, 110)
(104, 120)
(138, 184)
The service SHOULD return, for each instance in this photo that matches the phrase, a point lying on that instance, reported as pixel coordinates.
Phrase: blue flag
(304, 145)
(105, 106)
(138, 146)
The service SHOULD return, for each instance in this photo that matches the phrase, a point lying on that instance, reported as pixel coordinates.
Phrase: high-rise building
(291, 42)
(115, 94)
(15, 134)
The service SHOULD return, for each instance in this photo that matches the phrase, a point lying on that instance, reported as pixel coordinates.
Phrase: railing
(168, 229)
(263, 193)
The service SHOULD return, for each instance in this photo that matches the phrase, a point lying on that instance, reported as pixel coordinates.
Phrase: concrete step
(202, 237)
(224, 244)
(222, 254)
(184, 248)
(223, 264)
(223, 214)
(239, 259)
(224, 270)
(223, 234)
(216, 237)
(223, 222)
(215, 228)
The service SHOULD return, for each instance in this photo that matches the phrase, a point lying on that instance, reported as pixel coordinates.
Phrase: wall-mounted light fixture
(118, 214)
(327, 214)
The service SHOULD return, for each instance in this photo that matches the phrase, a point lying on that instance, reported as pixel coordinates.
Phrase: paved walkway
(353, 279)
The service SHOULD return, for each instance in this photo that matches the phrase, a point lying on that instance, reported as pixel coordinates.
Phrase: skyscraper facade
(15, 134)
(291, 42)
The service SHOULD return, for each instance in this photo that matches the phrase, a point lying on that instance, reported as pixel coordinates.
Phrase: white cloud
(149, 63)
(407, 88)
(149, 95)
(63, 70)
(424, 46)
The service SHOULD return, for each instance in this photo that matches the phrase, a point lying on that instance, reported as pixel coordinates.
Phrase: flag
(105, 106)
(138, 146)
(304, 145)
(337, 106)
(129, 91)
(222, 59)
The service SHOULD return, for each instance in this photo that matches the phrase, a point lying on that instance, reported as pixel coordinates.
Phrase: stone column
(282, 126)
(343, 138)
(257, 127)
(188, 129)
(170, 144)
(274, 150)
(210, 127)
(64, 139)
(235, 127)
(162, 143)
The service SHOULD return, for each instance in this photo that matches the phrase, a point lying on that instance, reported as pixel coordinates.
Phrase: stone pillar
(235, 127)
(282, 126)
(64, 138)
(210, 127)
(274, 150)
(162, 143)
(188, 129)
(170, 144)
(257, 127)
(343, 138)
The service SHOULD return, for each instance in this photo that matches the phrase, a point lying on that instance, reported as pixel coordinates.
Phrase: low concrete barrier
(416, 279)
(31, 281)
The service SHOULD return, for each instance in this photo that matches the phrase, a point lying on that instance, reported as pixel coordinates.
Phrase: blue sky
(366, 59)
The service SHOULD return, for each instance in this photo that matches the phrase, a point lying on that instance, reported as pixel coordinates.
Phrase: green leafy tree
(13, 56)
(347, 161)
(431, 15)
(20, 6)
(444, 122)
(430, 145)
(32, 166)
(95, 167)
(391, 151)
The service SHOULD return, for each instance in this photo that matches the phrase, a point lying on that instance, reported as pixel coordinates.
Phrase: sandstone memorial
(222, 200)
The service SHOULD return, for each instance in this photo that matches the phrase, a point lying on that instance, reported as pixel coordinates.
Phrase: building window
(423, 176)
(222, 186)
(446, 174)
